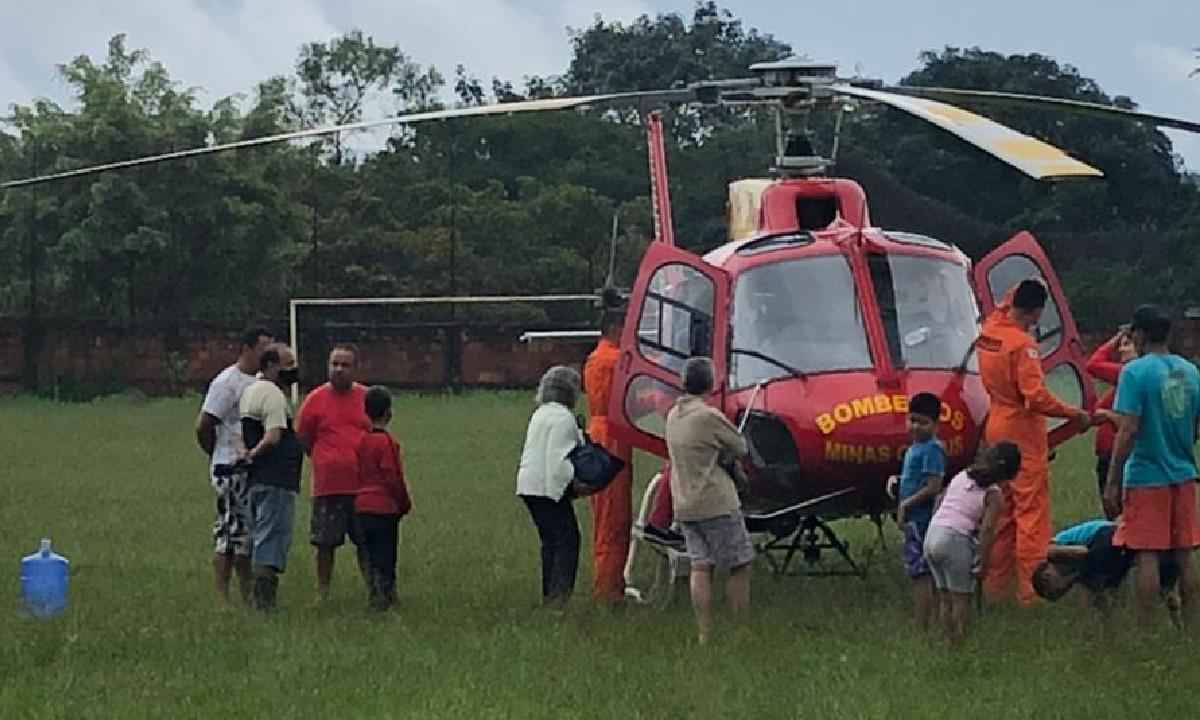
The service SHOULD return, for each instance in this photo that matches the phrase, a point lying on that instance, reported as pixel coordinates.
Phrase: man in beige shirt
(701, 442)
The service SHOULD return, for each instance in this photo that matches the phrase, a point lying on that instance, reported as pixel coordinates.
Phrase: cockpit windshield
(796, 317)
(929, 313)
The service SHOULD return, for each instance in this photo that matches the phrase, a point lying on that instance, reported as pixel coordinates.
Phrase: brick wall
(159, 361)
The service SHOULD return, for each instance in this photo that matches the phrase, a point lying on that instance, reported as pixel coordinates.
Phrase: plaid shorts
(231, 529)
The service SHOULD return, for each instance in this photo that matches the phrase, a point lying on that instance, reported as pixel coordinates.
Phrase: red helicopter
(820, 324)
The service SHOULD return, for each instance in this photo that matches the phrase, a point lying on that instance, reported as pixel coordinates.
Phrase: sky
(1143, 49)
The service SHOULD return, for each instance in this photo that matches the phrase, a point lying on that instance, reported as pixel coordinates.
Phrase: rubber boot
(265, 588)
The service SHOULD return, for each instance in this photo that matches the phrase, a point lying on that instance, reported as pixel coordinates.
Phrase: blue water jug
(44, 582)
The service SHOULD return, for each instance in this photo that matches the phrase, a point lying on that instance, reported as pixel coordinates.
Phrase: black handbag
(594, 466)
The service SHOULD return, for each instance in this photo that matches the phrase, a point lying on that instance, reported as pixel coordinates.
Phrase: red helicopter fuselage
(821, 328)
(847, 411)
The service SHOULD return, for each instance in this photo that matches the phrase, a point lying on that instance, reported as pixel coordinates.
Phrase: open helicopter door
(678, 309)
(1062, 352)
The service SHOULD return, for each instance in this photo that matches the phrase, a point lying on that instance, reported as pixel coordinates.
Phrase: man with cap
(1011, 371)
(1152, 480)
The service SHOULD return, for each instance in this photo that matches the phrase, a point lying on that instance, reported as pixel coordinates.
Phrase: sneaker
(658, 536)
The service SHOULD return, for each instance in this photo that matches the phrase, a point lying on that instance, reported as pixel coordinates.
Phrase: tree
(339, 78)
(666, 53)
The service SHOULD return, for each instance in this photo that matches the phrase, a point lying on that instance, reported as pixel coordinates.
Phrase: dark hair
(1030, 295)
(1044, 586)
(347, 347)
(698, 375)
(268, 358)
(926, 404)
(994, 464)
(1151, 320)
(377, 402)
(250, 337)
(610, 320)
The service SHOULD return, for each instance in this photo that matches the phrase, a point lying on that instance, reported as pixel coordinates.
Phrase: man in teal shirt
(1152, 481)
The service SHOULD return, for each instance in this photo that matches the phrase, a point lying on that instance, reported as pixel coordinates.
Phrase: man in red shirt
(330, 425)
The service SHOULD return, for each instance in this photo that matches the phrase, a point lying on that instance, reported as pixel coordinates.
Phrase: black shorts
(1106, 566)
(333, 521)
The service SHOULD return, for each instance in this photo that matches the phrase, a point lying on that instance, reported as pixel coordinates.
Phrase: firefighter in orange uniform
(612, 508)
(1011, 371)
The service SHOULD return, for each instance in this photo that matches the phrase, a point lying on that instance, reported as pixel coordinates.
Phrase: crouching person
(546, 482)
(702, 444)
(275, 456)
(1085, 554)
(960, 535)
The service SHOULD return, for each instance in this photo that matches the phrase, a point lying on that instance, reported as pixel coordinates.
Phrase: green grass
(120, 487)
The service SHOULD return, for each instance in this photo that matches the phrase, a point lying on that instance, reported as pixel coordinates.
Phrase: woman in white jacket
(546, 481)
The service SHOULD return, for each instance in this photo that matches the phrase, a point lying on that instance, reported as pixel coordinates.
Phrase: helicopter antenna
(843, 108)
(612, 251)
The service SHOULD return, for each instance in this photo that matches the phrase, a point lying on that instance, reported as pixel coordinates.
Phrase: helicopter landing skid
(810, 536)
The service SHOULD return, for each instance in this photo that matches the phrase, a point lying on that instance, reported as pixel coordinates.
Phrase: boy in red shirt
(382, 498)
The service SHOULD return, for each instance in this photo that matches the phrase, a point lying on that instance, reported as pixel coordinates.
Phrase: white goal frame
(295, 303)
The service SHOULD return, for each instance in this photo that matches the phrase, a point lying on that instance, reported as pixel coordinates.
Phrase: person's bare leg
(961, 614)
(701, 589)
(923, 599)
(1189, 591)
(222, 571)
(325, 559)
(737, 591)
(1147, 586)
(245, 574)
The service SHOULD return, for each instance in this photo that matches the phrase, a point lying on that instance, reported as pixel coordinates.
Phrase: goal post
(295, 303)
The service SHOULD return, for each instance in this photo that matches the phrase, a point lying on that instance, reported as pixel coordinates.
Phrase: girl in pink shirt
(961, 532)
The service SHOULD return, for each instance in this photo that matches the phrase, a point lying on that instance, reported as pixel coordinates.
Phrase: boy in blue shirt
(920, 482)
(1152, 481)
(1084, 553)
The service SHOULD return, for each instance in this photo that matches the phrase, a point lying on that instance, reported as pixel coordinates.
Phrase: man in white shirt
(219, 435)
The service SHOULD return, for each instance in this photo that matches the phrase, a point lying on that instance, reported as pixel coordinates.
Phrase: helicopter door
(1062, 353)
(677, 311)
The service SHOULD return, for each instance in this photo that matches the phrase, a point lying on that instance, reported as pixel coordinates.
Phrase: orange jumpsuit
(612, 508)
(1012, 375)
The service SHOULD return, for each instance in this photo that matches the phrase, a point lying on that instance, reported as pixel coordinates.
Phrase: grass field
(120, 487)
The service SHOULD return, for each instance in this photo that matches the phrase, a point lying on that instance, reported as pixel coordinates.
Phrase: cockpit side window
(928, 311)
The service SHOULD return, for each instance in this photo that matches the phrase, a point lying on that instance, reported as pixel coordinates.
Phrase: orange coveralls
(1011, 371)
(612, 508)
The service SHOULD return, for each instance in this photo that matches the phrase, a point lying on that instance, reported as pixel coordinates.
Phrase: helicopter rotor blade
(1035, 158)
(1042, 102)
(549, 104)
